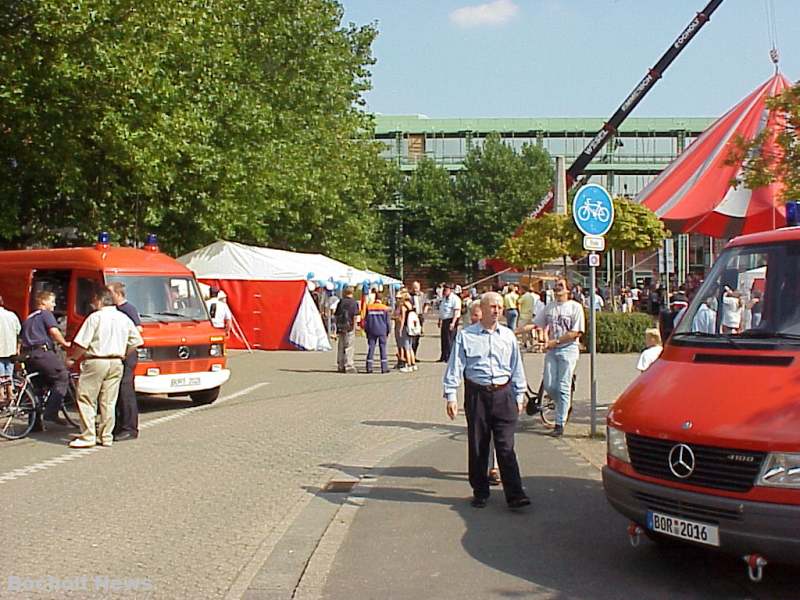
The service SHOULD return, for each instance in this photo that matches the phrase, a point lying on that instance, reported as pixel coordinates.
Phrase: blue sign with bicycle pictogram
(593, 210)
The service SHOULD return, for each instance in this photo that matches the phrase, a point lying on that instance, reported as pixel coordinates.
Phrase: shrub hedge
(620, 332)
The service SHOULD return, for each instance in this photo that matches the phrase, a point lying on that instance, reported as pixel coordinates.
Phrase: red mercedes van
(183, 354)
(704, 446)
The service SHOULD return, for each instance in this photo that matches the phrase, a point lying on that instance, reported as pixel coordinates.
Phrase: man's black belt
(44, 347)
(492, 387)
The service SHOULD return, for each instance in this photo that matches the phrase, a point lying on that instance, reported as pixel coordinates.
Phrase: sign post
(593, 212)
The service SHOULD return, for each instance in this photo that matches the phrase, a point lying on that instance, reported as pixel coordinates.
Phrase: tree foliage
(238, 119)
(552, 236)
(763, 168)
(636, 227)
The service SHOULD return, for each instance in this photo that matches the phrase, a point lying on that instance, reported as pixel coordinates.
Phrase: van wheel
(205, 396)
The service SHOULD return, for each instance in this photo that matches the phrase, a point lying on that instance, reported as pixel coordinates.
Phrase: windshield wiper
(710, 336)
(765, 334)
(170, 314)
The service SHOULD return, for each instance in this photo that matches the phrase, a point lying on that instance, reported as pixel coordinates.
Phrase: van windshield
(163, 298)
(752, 292)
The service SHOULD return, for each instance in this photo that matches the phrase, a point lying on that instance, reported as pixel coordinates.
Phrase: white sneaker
(414, 368)
(406, 369)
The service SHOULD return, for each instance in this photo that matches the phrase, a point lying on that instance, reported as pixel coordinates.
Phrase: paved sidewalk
(416, 535)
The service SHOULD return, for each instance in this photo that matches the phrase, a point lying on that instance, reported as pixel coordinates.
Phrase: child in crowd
(652, 339)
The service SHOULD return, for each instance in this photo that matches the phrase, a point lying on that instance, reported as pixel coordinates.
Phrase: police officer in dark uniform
(39, 335)
(127, 411)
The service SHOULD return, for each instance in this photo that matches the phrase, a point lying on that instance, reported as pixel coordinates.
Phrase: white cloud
(497, 12)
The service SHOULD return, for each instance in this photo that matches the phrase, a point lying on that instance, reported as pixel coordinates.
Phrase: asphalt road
(210, 500)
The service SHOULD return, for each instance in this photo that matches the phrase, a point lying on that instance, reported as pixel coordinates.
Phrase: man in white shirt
(449, 312)
(563, 323)
(705, 320)
(9, 345)
(221, 315)
(103, 341)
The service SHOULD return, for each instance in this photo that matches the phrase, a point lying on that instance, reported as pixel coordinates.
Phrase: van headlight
(144, 353)
(780, 470)
(617, 445)
(216, 350)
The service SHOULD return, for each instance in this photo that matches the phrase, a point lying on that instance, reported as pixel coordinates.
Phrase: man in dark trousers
(347, 315)
(449, 313)
(39, 335)
(486, 355)
(127, 410)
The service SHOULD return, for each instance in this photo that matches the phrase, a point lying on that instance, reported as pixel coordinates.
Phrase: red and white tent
(694, 193)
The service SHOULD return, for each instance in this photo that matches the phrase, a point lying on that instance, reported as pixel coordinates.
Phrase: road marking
(75, 454)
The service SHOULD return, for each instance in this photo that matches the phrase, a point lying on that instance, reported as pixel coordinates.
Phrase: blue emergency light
(792, 216)
(151, 242)
(102, 240)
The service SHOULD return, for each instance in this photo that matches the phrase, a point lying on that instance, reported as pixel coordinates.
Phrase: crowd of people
(105, 345)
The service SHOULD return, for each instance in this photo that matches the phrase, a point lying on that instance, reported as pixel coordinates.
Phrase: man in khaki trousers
(104, 339)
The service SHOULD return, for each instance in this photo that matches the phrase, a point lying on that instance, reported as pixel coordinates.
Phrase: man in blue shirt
(127, 409)
(449, 313)
(486, 355)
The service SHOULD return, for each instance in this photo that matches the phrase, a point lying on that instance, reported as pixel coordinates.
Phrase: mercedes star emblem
(183, 352)
(681, 461)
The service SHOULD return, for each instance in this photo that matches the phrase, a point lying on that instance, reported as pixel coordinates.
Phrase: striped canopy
(695, 194)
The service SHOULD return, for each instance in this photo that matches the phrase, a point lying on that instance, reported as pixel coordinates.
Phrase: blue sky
(549, 58)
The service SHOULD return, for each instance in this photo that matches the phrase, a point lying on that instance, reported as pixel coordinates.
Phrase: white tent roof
(231, 260)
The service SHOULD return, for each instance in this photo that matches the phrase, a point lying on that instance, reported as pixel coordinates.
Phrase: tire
(205, 396)
(548, 409)
(69, 406)
(584, 212)
(18, 418)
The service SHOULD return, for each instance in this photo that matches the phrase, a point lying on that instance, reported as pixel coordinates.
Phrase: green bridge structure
(639, 151)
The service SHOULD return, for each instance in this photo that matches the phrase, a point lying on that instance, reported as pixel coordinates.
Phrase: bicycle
(19, 416)
(593, 209)
(542, 403)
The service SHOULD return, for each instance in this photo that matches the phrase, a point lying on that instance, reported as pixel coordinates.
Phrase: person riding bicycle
(563, 323)
(40, 334)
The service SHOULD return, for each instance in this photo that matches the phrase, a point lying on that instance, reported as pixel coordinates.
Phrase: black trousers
(446, 337)
(492, 414)
(52, 373)
(127, 411)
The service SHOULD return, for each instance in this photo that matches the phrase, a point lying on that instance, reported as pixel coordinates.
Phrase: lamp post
(397, 208)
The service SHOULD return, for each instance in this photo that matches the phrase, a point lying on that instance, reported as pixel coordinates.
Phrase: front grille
(719, 468)
(162, 353)
(687, 510)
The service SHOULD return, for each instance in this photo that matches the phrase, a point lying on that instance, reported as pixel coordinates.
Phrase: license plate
(684, 529)
(184, 381)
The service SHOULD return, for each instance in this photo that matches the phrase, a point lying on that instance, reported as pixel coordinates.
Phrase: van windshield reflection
(164, 298)
(752, 292)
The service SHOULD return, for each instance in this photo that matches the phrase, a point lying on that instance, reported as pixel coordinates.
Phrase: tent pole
(238, 331)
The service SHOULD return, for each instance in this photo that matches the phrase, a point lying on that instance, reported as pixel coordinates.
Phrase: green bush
(620, 332)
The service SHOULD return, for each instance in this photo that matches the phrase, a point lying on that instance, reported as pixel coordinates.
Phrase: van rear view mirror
(730, 277)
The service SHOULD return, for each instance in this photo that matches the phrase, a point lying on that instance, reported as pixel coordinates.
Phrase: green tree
(541, 240)
(764, 168)
(240, 119)
(494, 193)
(431, 215)
(636, 227)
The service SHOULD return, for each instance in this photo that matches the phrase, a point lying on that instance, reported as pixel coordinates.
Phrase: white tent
(267, 291)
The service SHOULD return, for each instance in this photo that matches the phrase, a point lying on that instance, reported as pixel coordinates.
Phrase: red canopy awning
(694, 193)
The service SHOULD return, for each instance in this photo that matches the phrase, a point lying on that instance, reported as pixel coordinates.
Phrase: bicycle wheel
(17, 419)
(548, 411)
(69, 405)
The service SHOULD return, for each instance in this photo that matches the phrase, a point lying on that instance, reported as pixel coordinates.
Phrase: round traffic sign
(593, 210)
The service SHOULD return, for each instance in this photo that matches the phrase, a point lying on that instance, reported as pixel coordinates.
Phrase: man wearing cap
(346, 316)
(221, 315)
(103, 341)
(40, 333)
(486, 355)
(449, 313)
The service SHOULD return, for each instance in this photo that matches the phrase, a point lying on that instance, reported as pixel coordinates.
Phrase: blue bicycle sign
(593, 210)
